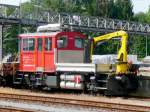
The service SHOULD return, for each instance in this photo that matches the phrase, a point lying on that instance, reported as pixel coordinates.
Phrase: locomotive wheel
(2, 81)
(9, 80)
(115, 87)
(123, 86)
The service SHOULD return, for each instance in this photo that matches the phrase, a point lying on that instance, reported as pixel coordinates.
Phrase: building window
(48, 44)
(62, 42)
(79, 42)
(28, 44)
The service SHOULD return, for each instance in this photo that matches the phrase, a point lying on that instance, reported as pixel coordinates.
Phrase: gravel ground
(51, 108)
(79, 96)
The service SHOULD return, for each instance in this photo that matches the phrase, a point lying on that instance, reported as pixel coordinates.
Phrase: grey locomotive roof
(39, 34)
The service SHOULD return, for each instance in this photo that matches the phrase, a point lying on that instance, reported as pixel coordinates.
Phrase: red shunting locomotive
(42, 52)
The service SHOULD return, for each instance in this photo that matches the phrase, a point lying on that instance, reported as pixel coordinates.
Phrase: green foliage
(141, 42)
(119, 9)
(10, 40)
(108, 47)
(123, 9)
(137, 45)
(143, 17)
(27, 7)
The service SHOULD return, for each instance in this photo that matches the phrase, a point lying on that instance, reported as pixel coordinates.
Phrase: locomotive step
(17, 82)
(39, 78)
(18, 78)
(101, 88)
(104, 81)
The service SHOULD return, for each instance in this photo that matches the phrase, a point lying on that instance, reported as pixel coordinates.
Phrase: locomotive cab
(40, 51)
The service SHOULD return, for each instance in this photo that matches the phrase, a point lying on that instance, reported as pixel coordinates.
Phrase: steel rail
(77, 102)
(11, 109)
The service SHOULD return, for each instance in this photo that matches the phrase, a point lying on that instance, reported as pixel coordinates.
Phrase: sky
(12, 2)
(139, 5)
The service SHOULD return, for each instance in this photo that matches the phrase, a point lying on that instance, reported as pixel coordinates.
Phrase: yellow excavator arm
(122, 66)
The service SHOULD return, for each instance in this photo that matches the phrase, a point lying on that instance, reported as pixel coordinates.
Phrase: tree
(10, 40)
(123, 9)
(144, 18)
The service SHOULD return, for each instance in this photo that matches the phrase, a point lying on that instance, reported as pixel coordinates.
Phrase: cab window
(48, 44)
(62, 42)
(28, 44)
(79, 42)
(25, 45)
(39, 44)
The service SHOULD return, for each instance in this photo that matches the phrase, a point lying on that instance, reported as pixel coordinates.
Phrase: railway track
(75, 102)
(10, 109)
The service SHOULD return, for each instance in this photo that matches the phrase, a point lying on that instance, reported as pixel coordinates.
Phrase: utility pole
(146, 45)
(20, 17)
(1, 43)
